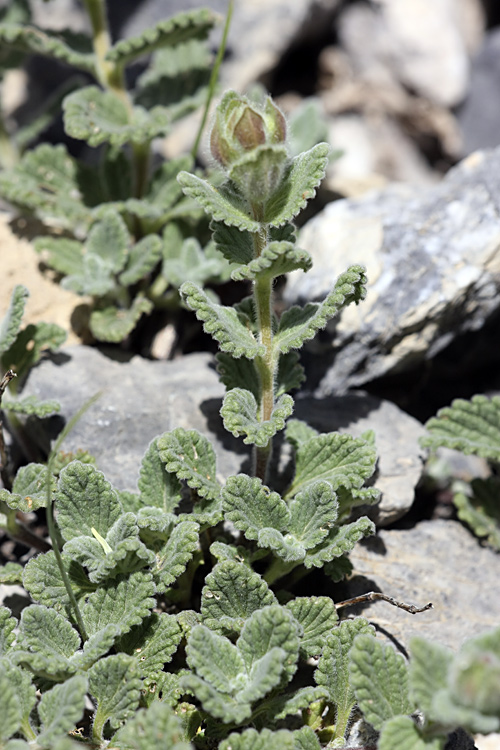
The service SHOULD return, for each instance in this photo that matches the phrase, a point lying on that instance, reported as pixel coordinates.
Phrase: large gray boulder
(433, 263)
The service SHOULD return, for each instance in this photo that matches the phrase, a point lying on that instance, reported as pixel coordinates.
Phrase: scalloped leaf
(297, 433)
(29, 346)
(32, 406)
(172, 558)
(332, 671)
(152, 643)
(149, 726)
(317, 616)
(29, 490)
(158, 487)
(239, 412)
(66, 46)
(252, 507)
(222, 323)
(114, 682)
(10, 710)
(339, 541)
(20, 683)
(114, 324)
(300, 324)
(282, 739)
(276, 259)
(219, 705)
(298, 185)
(313, 513)
(289, 704)
(142, 259)
(186, 261)
(268, 628)
(46, 642)
(481, 511)
(232, 592)
(11, 322)
(234, 244)
(194, 24)
(238, 373)
(215, 659)
(222, 203)
(51, 184)
(96, 646)
(341, 460)
(11, 573)
(403, 732)
(190, 456)
(84, 501)
(120, 551)
(379, 678)
(42, 579)
(125, 601)
(60, 709)
(428, 672)
(97, 116)
(7, 625)
(472, 427)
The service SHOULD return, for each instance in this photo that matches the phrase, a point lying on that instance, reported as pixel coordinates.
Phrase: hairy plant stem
(265, 364)
(111, 77)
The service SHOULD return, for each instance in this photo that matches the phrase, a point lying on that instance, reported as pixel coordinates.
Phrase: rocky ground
(410, 92)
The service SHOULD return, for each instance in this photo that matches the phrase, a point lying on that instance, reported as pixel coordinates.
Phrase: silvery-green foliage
(472, 427)
(112, 213)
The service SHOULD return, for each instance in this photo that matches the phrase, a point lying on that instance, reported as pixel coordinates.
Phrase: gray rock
(479, 116)
(142, 399)
(437, 561)
(433, 265)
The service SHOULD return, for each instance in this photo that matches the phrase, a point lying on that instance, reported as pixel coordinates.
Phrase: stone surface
(479, 116)
(433, 266)
(398, 39)
(142, 399)
(436, 561)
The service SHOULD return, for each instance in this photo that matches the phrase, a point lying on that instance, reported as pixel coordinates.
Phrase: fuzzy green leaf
(125, 601)
(239, 412)
(235, 245)
(290, 373)
(114, 324)
(313, 512)
(219, 705)
(51, 184)
(251, 506)
(114, 682)
(428, 672)
(298, 186)
(341, 460)
(11, 573)
(318, 617)
(402, 732)
(70, 48)
(232, 592)
(297, 433)
(238, 373)
(10, 710)
(300, 324)
(30, 344)
(32, 406)
(143, 258)
(195, 24)
(339, 541)
(215, 659)
(97, 116)
(332, 672)
(222, 203)
(188, 262)
(29, 490)
(190, 456)
(20, 684)
(120, 551)
(307, 126)
(289, 704)
(152, 643)
(60, 709)
(109, 239)
(43, 581)
(174, 555)
(267, 628)
(481, 511)
(11, 322)
(472, 427)
(46, 642)
(7, 625)
(153, 727)
(222, 323)
(379, 678)
(158, 487)
(96, 646)
(84, 501)
(283, 739)
(276, 259)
